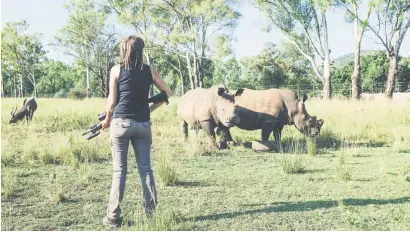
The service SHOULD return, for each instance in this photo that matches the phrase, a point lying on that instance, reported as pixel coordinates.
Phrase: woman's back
(133, 88)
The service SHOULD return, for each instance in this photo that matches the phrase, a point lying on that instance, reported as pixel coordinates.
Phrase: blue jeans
(122, 132)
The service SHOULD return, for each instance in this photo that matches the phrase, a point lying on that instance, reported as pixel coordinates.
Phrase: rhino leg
(267, 128)
(226, 135)
(27, 118)
(277, 133)
(209, 128)
(31, 115)
(185, 129)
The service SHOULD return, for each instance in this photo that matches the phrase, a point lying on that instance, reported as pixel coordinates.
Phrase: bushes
(292, 164)
(77, 94)
(61, 94)
(167, 172)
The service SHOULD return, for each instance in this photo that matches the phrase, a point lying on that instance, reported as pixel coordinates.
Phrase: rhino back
(263, 106)
(261, 101)
(195, 105)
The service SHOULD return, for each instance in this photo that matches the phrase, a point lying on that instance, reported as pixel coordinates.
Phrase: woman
(128, 114)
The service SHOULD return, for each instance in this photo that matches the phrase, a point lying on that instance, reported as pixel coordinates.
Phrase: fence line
(340, 90)
(369, 90)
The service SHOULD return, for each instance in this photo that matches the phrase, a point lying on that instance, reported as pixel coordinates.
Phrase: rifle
(95, 129)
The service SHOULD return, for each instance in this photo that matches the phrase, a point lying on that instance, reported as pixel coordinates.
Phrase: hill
(345, 59)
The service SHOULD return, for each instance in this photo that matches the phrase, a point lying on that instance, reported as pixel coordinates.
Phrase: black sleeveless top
(132, 94)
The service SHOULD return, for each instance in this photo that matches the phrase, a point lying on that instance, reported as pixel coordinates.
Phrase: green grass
(292, 164)
(54, 179)
(167, 172)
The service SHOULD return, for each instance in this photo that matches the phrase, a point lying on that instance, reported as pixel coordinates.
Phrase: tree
(352, 8)
(21, 55)
(57, 78)
(374, 70)
(295, 66)
(393, 21)
(87, 38)
(228, 73)
(304, 23)
(263, 69)
(191, 32)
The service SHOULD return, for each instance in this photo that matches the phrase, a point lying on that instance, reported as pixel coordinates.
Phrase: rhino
(208, 109)
(27, 110)
(270, 110)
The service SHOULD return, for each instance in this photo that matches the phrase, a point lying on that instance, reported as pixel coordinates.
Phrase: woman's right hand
(105, 123)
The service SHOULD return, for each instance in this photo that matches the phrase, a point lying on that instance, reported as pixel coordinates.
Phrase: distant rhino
(272, 109)
(208, 109)
(29, 106)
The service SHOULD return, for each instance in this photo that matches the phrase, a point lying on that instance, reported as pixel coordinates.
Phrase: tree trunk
(196, 76)
(182, 77)
(391, 77)
(151, 89)
(201, 73)
(356, 90)
(88, 81)
(35, 86)
(2, 87)
(327, 85)
(191, 77)
(21, 87)
(15, 86)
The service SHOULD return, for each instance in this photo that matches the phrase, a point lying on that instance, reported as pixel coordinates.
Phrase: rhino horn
(13, 111)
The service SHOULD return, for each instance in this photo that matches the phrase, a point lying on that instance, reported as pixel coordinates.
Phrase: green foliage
(273, 67)
(214, 182)
(292, 164)
(295, 66)
(312, 147)
(21, 55)
(167, 172)
(374, 69)
(304, 24)
(77, 94)
(228, 72)
(86, 38)
(58, 78)
(344, 174)
(263, 70)
(192, 31)
(9, 185)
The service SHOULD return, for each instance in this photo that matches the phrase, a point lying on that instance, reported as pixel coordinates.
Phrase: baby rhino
(208, 109)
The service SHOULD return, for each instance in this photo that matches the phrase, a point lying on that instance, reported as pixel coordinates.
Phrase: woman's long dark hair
(131, 52)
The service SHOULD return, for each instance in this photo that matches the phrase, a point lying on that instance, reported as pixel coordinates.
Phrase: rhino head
(306, 124)
(225, 109)
(17, 116)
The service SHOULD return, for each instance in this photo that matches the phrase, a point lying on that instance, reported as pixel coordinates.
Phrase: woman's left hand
(105, 124)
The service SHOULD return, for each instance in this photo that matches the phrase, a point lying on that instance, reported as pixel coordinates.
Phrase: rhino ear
(305, 97)
(320, 122)
(221, 91)
(239, 92)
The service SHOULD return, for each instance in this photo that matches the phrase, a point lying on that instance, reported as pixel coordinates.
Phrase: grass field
(354, 176)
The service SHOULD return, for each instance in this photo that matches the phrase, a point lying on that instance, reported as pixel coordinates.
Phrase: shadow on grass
(189, 184)
(314, 171)
(301, 206)
(299, 145)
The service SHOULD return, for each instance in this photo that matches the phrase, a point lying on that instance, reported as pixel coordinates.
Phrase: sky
(48, 16)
